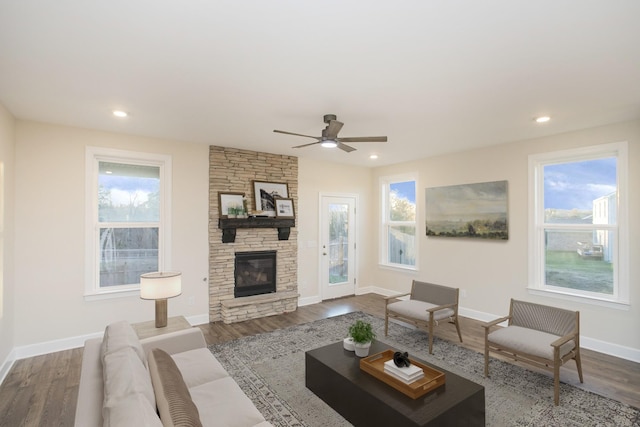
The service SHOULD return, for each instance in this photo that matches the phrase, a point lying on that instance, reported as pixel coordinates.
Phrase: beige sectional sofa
(171, 379)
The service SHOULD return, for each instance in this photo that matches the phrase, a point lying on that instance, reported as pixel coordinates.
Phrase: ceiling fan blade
(345, 147)
(364, 139)
(333, 129)
(306, 145)
(297, 134)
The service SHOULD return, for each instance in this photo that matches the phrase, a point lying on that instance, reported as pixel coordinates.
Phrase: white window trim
(383, 256)
(93, 155)
(620, 298)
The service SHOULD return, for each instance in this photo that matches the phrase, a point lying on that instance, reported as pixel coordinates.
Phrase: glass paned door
(338, 246)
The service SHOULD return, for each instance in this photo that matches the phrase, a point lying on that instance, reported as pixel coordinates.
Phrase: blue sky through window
(405, 190)
(575, 185)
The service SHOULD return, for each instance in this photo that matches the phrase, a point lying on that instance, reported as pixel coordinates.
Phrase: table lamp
(159, 286)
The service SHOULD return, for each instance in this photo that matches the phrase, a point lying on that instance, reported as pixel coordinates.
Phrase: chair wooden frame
(538, 315)
(448, 300)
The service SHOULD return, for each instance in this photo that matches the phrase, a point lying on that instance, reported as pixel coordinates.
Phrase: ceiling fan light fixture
(329, 143)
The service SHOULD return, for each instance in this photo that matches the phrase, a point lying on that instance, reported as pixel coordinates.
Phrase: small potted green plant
(362, 334)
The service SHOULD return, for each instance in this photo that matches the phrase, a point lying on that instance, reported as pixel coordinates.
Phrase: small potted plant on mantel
(362, 334)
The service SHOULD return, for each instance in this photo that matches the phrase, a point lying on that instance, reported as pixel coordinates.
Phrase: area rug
(270, 370)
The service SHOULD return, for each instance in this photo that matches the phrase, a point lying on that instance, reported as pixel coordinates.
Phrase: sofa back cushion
(121, 335)
(172, 395)
(129, 399)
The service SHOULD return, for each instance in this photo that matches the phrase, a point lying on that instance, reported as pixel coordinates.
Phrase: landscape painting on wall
(468, 210)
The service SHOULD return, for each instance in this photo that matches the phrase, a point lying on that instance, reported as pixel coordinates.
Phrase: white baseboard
(616, 350)
(309, 300)
(38, 349)
(6, 365)
(198, 319)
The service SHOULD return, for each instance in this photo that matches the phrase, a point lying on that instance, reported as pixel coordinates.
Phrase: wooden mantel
(229, 226)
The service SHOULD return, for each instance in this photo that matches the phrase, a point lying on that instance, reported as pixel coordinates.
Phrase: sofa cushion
(133, 411)
(121, 335)
(222, 403)
(199, 366)
(127, 386)
(172, 395)
(418, 310)
(529, 341)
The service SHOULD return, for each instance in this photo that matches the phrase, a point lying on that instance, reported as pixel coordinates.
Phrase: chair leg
(486, 358)
(458, 328)
(556, 384)
(386, 323)
(579, 365)
(431, 336)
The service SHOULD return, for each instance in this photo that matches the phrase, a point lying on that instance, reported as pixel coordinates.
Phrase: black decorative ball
(401, 359)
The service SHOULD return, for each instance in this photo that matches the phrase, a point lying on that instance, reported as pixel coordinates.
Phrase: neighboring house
(604, 212)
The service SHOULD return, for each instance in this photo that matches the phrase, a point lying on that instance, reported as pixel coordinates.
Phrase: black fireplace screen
(255, 273)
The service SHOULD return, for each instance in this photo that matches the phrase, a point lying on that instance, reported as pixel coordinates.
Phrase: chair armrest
(387, 299)
(440, 307)
(487, 325)
(176, 342)
(560, 341)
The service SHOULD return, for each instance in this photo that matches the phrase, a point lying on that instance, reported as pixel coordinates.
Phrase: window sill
(618, 305)
(112, 294)
(395, 267)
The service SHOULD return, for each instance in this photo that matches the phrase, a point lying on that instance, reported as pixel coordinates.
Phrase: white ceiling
(434, 76)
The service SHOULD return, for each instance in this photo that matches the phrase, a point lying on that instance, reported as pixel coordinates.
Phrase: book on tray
(407, 374)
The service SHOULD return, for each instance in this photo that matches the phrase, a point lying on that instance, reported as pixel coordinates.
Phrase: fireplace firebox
(255, 273)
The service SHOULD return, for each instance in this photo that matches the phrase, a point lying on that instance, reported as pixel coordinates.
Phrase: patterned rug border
(514, 395)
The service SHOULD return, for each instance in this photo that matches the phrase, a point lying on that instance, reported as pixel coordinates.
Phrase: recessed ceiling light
(373, 156)
(543, 119)
(120, 113)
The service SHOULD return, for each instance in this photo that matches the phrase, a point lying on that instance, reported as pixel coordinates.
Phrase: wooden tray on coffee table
(374, 365)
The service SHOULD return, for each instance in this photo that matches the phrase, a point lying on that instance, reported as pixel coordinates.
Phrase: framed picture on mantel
(284, 208)
(230, 204)
(265, 194)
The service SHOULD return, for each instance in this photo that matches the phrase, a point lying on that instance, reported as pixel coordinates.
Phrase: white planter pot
(362, 350)
(348, 344)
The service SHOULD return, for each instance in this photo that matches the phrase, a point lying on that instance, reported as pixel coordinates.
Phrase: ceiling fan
(330, 139)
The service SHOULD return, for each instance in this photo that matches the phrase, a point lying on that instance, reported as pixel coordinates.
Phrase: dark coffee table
(334, 375)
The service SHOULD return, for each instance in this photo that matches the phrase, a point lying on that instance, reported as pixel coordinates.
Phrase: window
(398, 242)
(127, 218)
(578, 245)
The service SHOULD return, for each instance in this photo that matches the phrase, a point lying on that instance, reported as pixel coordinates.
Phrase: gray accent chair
(427, 306)
(540, 335)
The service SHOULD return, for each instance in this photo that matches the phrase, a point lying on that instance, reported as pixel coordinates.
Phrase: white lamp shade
(160, 285)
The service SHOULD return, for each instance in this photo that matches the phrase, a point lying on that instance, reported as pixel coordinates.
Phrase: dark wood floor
(42, 390)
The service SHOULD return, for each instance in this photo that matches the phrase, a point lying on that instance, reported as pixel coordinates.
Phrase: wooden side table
(148, 329)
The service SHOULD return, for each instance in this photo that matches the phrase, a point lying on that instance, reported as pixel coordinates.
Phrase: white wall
(315, 177)
(492, 272)
(7, 283)
(49, 232)
(50, 236)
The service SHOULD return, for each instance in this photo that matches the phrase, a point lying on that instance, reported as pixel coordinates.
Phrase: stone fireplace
(233, 170)
(255, 273)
